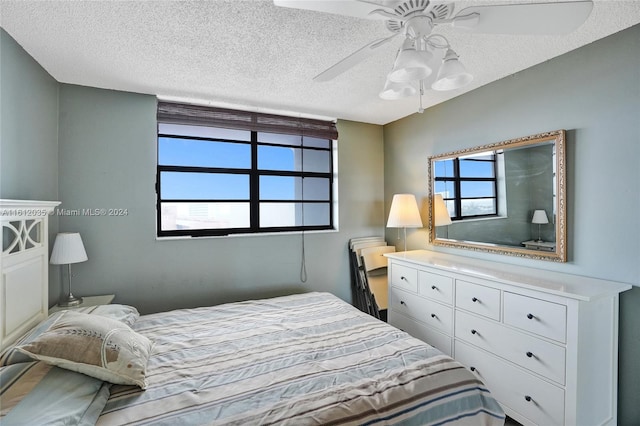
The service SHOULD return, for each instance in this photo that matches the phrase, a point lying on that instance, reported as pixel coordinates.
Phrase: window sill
(481, 219)
(252, 235)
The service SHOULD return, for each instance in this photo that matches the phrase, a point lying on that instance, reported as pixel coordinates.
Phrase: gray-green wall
(93, 148)
(28, 134)
(593, 93)
(108, 160)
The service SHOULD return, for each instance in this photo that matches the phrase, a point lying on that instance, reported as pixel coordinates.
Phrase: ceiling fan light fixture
(411, 65)
(452, 74)
(392, 90)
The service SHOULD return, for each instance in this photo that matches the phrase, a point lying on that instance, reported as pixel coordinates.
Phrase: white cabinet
(422, 304)
(545, 343)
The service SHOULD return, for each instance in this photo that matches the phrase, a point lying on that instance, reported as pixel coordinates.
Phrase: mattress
(307, 359)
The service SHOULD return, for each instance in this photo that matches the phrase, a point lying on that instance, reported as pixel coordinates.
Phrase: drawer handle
(475, 299)
(472, 368)
(403, 278)
(433, 287)
(473, 332)
(530, 316)
(434, 316)
(402, 303)
(530, 354)
(527, 398)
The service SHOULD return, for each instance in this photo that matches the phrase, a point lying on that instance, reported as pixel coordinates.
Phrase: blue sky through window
(197, 153)
(203, 186)
(189, 152)
(482, 169)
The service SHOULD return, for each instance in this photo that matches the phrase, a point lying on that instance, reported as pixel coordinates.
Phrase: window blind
(200, 115)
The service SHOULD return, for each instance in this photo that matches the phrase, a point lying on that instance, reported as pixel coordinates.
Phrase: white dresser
(545, 343)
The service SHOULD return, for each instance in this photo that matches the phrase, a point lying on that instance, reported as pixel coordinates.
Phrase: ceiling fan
(425, 58)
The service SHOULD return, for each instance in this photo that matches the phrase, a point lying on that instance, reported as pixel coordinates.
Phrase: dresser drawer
(478, 299)
(432, 313)
(436, 287)
(542, 403)
(547, 319)
(404, 277)
(420, 331)
(539, 356)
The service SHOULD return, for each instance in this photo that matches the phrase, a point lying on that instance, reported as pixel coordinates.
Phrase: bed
(303, 359)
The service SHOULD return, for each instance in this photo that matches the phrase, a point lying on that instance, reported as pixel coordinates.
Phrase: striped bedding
(308, 359)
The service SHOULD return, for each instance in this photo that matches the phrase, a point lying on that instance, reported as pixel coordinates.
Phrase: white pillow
(97, 346)
(124, 313)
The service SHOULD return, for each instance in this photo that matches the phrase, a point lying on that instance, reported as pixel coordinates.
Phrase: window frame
(457, 181)
(254, 173)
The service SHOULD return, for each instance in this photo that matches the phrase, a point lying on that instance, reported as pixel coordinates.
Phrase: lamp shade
(540, 217)
(393, 90)
(452, 74)
(411, 65)
(68, 248)
(404, 212)
(440, 213)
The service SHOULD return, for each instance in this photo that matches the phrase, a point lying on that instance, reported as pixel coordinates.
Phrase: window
(224, 172)
(468, 185)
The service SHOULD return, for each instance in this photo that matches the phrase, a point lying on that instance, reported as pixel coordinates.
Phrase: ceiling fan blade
(356, 8)
(530, 18)
(351, 60)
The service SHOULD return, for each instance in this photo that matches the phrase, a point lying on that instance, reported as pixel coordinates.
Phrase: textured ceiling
(255, 55)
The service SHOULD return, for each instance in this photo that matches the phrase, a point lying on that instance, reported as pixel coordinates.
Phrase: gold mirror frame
(560, 252)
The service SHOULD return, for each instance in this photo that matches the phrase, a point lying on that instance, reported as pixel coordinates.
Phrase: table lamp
(404, 214)
(68, 249)
(440, 213)
(539, 217)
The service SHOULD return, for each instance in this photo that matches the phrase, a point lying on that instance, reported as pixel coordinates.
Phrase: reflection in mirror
(507, 197)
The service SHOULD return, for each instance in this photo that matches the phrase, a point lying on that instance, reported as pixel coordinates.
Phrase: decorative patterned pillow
(124, 313)
(100, 347)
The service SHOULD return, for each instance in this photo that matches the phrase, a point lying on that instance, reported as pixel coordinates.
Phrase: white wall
(108, 160)
(593, 93)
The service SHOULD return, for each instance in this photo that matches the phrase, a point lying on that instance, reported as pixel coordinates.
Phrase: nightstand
(86, 301)
(540, 245)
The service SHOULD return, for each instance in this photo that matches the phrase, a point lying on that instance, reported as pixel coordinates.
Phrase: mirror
(506, 197)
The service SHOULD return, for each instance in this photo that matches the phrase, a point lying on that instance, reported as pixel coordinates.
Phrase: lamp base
(70, 301)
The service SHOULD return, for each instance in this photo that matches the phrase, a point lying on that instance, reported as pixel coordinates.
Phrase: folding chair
(355, 245)
(374, 267)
